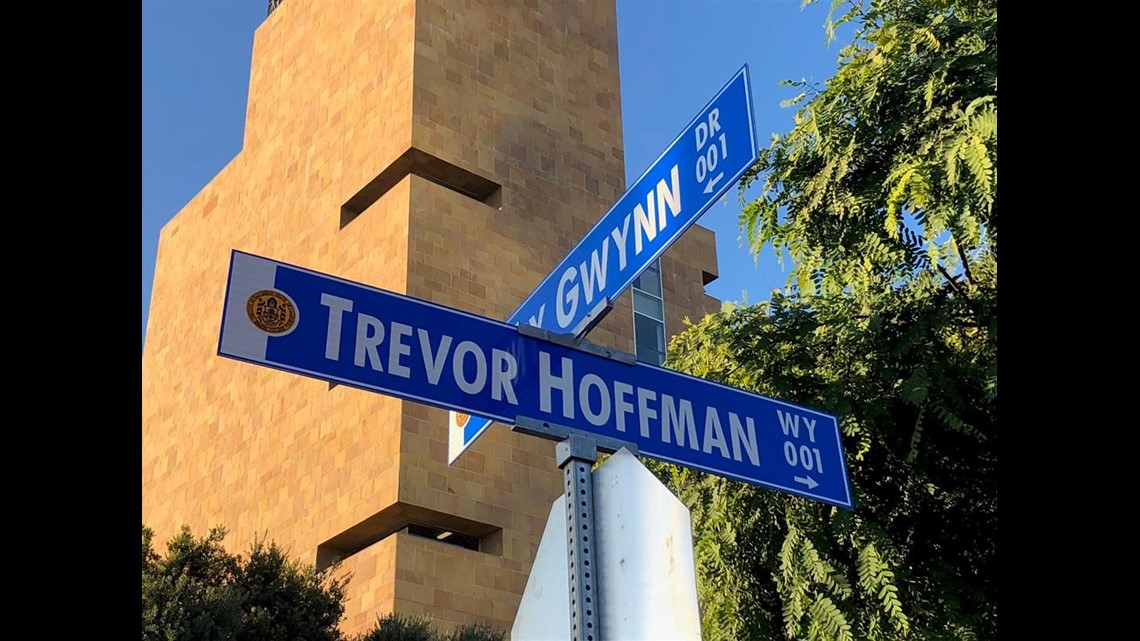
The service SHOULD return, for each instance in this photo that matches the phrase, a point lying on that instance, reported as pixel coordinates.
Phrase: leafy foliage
(396, 627)
(884, 197)
(476, 632)
(189, 594)
(201, 592)
(286, 599)
(896, 153)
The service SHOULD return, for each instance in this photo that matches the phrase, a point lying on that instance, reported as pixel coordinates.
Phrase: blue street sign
(308, 323)
(707, 158)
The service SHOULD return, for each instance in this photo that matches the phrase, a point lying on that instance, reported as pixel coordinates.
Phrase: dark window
(649, 316)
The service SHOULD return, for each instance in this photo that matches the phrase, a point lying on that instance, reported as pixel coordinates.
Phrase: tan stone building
(453, 150)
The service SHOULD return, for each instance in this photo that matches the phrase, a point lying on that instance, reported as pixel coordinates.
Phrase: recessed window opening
(649, 315)
(444, 536)
(428, 167)
(413, 520)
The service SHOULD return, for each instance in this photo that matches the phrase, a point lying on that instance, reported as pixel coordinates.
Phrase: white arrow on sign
(712, 183)
(807, 480)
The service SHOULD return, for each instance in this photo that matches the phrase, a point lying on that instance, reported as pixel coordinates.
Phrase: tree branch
(965, 263)
(949, 279)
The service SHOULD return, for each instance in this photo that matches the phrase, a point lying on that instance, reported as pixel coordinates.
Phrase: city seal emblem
(272, 312)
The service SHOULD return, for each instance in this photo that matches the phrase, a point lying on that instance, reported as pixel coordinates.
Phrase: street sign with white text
(304, 322)
(707, 158)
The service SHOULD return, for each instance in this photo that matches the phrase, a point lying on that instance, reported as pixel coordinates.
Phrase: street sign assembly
(707, 158)
(308, 323)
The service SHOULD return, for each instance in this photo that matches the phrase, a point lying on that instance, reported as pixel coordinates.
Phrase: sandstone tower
(452, 150)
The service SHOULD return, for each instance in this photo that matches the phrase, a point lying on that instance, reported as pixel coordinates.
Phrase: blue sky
(674, 55)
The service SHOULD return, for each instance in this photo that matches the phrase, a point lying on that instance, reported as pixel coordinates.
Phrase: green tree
(288, 599)
(884, 197)
(397, 627)
(201, 592)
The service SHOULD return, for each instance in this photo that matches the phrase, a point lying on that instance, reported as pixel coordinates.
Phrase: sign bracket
(592, 319)
(553, 432)
(568, 340)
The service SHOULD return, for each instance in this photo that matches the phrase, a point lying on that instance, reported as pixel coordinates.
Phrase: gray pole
(576, 456)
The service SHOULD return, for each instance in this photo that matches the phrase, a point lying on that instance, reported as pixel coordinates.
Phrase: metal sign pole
(575, 453)
(576, 456)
